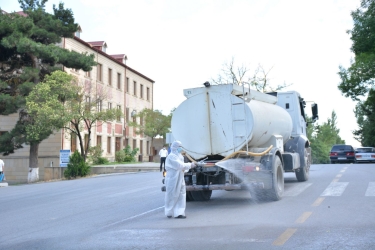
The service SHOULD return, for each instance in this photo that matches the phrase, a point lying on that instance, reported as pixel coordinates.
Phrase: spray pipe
(211, 164)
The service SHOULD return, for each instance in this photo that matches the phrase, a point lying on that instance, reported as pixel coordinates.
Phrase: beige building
(124, 88)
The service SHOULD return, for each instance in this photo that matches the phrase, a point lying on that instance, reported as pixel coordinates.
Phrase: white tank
(213, 121)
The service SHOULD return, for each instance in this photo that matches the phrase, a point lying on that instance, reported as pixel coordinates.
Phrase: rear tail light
(350, 154)
(372, 156)
(333, 154)
(358, 156)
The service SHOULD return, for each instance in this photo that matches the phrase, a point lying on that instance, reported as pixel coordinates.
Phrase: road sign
(64, 157)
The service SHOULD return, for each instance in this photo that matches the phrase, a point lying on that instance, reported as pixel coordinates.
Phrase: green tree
(88, 111)
(62, 102)
(359, 77)
(322, 138)
(259, 79)
(365, 114)
(76, 166)
(47, 101)
(357, 81)
(151, 123)
(29, 51)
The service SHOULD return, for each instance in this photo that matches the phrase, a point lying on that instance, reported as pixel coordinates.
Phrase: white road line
(370, 189)
(133, 217)
(335, 189)
(127, 192)
(297, 189)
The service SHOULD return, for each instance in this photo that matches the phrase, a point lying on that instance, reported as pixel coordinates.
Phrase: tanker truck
(242, 139)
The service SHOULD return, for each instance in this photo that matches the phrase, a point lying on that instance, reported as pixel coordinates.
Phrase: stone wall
(16, 169)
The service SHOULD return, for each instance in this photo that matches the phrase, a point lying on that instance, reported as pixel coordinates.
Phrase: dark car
(342, 153)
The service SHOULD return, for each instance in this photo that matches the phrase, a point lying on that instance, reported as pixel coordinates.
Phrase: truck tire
(303, 172)
(201, 195)
(277, 190)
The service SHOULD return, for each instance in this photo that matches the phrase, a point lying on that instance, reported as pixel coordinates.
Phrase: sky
(182, 44)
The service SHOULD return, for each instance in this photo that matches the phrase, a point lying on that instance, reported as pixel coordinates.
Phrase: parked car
(365, 154)
(342, 153)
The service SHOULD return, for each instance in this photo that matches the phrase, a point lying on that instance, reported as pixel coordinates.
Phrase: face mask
(179, 150)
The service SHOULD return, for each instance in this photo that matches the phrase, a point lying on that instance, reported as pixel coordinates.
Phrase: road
(333, 210)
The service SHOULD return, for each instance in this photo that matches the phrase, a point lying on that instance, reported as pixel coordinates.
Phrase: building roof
(112, 58)
(120, 57)
(98, 43)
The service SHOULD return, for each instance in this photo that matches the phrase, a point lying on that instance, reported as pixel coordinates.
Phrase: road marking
(370, 189)
(338, 176)
(128, 192)
(284, 237)
(335, 189)
(303, 217)
(133, 217)
(297, 189)
(318, 201)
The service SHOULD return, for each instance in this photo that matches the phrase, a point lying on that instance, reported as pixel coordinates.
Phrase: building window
(99, 105)
(87, 103)
(118, 118)
(108, 145)
(109, 106)
(126, 141)
(141, 90)
(110, 77)
(134, 144)
(148, 94)
(118, 144)
(99, 73)
(148, 148)
(127, 85)
(127, 115)
(73, 143)
(118, 80)
(98, 140)
(141, 147)
(135, 88)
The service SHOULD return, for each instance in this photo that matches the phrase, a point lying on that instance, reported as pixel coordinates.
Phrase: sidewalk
(123, 168)
(3, 184)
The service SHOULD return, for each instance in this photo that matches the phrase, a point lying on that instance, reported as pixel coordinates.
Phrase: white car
(365, 154)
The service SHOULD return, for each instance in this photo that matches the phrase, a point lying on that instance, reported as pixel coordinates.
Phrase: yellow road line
(318, 201)
(284, 237)
(303, 217)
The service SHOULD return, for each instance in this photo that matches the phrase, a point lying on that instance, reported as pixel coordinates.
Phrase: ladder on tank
(241, 104)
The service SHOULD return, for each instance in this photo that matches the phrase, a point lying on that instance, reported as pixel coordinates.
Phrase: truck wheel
(201, 195)
(303, 172)
(277, 190)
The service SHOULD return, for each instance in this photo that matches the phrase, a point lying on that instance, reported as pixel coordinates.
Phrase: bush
(126, 155)
(76, 166)
(96, 155)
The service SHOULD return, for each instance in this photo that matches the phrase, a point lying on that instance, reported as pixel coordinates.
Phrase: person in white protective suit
(175, 195)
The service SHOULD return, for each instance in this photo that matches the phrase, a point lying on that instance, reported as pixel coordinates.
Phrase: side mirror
(314, 109)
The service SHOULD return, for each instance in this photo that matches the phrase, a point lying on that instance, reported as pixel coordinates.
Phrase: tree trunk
(33, 175)
(88, 143)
